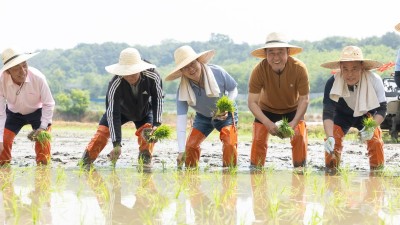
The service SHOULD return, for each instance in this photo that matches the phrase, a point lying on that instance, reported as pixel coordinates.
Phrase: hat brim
(17, 60)
(125, 70)
(367, 64)
(203, 57)
(397, 27)
(260, 52)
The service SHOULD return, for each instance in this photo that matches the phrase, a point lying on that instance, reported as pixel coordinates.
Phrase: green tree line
(82, 67)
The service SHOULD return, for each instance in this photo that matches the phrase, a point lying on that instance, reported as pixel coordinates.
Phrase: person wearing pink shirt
(25, 98)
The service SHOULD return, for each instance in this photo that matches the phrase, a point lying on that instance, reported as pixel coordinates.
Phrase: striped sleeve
(156, 97)
(113, 111)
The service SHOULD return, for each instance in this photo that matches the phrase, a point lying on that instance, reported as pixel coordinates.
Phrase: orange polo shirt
(280, 93)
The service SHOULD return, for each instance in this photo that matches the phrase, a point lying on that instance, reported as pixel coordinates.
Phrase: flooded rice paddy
(45, 195)
(63, 193)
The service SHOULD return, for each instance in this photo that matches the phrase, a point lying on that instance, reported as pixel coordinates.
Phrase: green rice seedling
(369, 123)
(284, 130)
(35, 213)
(164, 165)
(224, 104)
(232, 169)
(61, 176)
(43, 137)
(259, 177)
(273, 207)
(140, 165)
(162, 132)
(269, 170)
(318, 189)
(346, 173)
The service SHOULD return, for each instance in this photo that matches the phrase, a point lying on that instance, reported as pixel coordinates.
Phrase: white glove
(366, 134)
(329, 145)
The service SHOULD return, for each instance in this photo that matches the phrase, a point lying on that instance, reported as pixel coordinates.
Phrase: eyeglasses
(190, 65)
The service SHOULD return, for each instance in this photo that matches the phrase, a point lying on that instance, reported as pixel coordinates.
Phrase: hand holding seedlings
(368, 130)
(40, 135)
(113, 156)
(224, 106)
(284, 129)
(161, 132)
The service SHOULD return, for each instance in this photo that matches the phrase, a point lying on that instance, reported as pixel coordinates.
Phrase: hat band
(8, 60)
(275, 41)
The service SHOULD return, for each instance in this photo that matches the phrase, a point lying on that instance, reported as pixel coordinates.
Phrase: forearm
(233, 94)
(258, 113)
(301, 109)
(181, 132)
(328, 127)
(379, 119)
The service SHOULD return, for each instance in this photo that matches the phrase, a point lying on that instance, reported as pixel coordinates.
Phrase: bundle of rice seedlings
(162, 132)
(224, 104)
(284, 130)
(369, 123)
(42, 137)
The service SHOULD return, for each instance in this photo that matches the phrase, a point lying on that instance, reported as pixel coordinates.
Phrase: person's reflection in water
(273, 201)
(298, 206)
(219, 207)
(103, 195)
(259, 188)
(147, 207)
(356, 201)
(18, 212)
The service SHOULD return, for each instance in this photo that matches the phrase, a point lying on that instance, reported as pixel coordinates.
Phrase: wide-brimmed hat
(397, 27)
(185, 55)
(352, 53)
(129, 63)
(275, 40)
(11, 58)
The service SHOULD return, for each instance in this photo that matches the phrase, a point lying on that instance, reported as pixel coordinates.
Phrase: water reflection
(42, 195)
(33, 207)
(148, 203)
(277, 198)
(212, 202)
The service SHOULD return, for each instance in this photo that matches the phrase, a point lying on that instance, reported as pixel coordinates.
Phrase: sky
(28, 25)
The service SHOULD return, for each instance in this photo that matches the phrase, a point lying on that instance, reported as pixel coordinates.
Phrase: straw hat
(129, 63)
(185, 55)
(349, 54)
(10, 58)
(275, 40)
(397, 27)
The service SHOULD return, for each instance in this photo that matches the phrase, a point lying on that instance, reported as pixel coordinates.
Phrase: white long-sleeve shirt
(34, 94)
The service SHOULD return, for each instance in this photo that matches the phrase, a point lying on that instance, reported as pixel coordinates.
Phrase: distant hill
(82, 67)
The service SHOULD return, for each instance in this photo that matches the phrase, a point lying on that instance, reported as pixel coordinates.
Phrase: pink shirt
(35, 93)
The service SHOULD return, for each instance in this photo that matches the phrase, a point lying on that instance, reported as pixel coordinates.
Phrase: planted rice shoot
(284, 130)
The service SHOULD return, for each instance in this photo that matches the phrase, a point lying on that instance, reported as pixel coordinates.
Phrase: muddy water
(40, 195)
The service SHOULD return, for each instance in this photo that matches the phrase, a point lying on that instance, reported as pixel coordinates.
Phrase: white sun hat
(185, 55)
(129, 63)
(276, 40)
(11, 58)
(352, 53)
